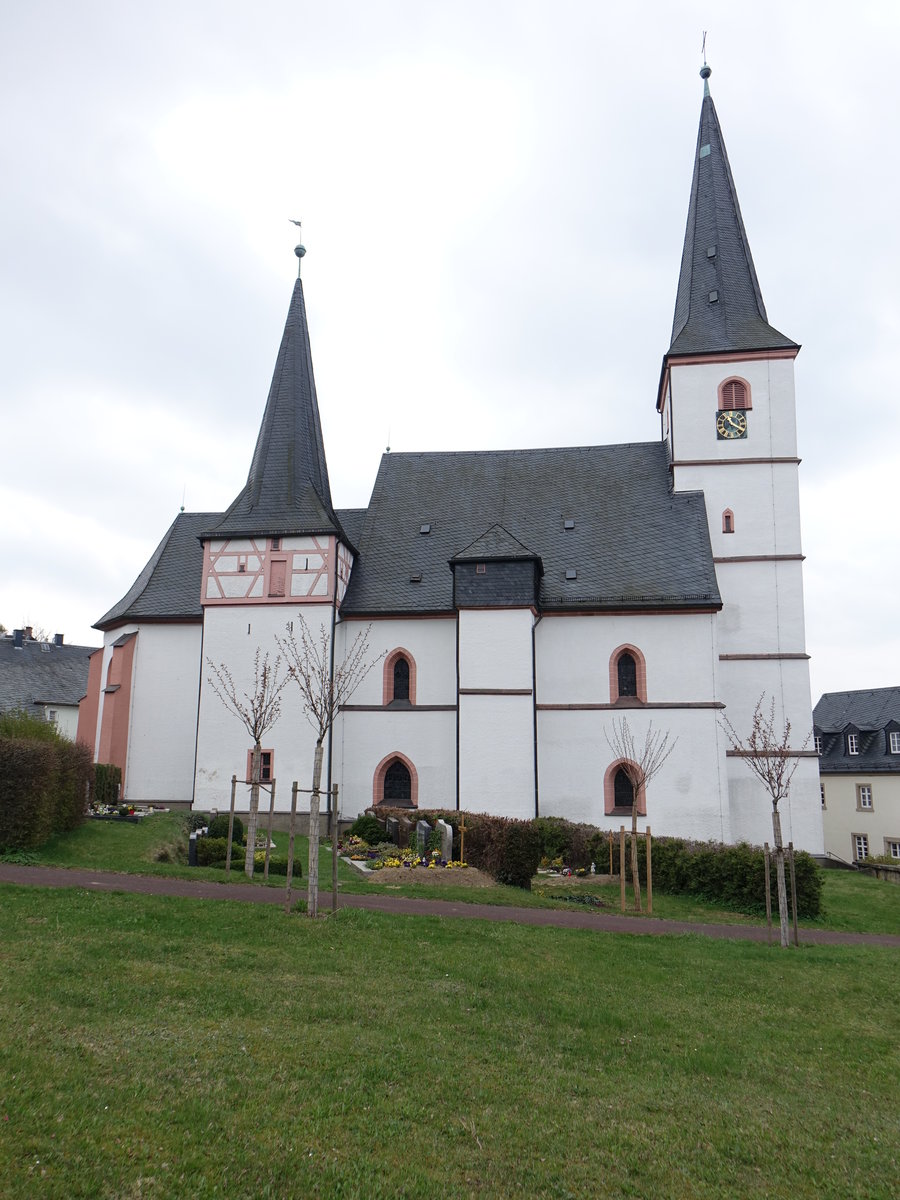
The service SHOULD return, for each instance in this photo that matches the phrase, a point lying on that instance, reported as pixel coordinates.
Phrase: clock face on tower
(732, 423)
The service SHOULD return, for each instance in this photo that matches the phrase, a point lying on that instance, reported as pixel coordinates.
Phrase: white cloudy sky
(493, 197)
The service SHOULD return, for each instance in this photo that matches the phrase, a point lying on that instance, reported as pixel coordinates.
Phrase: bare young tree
(258, 710)
(324, 687)
(642, 762)
(767, 752)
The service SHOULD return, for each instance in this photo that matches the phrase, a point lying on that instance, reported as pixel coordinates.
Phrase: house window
(822, 793)
(276, 543)
(53, 716)
(728, 521)
(864, 796)
(895, 741)
(860, 846)
(623, 791)
(266, 764)
(480, 569)
(399, 678)
(892, 848)
(853, 743)
(627, 675)
(734, 393)
(817, 744)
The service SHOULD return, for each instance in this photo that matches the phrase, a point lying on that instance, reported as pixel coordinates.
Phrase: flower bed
(388, 857)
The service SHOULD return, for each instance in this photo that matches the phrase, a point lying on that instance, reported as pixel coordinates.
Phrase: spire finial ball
(705, 71)
(299, 251)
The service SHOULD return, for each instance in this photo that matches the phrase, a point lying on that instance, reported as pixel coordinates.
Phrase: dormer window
(853, 743)
(894, 741)
(817, 744)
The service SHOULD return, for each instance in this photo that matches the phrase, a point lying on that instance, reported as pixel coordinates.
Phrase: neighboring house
(47, 679)
(857, 737)
(522, 600)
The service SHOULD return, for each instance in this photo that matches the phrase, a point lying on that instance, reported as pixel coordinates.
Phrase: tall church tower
(278, 548)
(728, 414)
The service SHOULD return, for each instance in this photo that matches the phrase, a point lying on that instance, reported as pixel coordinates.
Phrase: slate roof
(168, 588)
(871, 713)
(737, 319)
(635, 544)
(34, 675)
(495, 543)
(287, 490)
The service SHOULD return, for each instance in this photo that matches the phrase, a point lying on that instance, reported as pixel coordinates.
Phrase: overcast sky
(493, 196)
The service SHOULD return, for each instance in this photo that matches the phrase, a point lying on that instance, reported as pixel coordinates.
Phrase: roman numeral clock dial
(731, 424)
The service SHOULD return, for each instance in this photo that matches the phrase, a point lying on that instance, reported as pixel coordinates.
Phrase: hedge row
(43, 788)
(212, 852)
(733, 876)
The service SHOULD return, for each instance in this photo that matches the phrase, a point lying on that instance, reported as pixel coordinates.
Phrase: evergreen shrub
(107, 781)
(214, 850)
(218, 828)
(368, 828)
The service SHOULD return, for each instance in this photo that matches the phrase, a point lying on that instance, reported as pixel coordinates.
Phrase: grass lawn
(162, 1048)
(851, 902)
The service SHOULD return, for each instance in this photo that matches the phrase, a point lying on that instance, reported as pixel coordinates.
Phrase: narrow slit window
(728, 521)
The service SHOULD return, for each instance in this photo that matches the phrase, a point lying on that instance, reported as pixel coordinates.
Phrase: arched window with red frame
(734, 393)
(627, 675)
(399, 678)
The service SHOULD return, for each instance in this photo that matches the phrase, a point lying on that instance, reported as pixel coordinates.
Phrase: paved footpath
(160, 885)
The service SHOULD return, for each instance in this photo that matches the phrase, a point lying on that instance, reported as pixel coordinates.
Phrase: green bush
(107, 781)
(213, 850)
(20, 724)
(199, 820)
(43, 783)
(218, 828)
(573, 843)
(368, 828)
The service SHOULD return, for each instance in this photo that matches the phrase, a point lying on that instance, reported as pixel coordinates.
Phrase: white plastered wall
(163, 714)
(842, 818)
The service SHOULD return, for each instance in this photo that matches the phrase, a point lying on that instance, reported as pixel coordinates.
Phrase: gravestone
(405, 830)
(423, 832)
(446, 832)
(392, 826)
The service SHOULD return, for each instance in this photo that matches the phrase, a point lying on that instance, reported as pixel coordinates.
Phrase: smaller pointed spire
(719, 305)
(287, 490)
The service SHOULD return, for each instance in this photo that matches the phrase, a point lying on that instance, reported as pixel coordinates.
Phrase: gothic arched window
(401, 679)
(397, 783)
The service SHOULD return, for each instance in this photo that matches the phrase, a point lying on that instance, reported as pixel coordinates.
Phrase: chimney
(57, 639)
(29, 633)
(18, 637)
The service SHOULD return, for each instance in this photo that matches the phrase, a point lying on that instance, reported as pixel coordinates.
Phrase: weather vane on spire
(300, 249)
(702, 51)
(705, 70)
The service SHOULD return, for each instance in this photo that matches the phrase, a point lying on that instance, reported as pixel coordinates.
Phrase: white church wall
(496, 759)
(432, 644)
(764, 501)
(363, 740)
(232, 635)
(686, 799)
(801, 813)
(573, 655)
(163, 714)
(495, 648)
(763, 608)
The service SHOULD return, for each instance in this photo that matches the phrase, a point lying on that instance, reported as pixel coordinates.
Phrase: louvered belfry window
(733, 395)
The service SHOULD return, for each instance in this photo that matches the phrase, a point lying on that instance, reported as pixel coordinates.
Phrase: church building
(523, 602)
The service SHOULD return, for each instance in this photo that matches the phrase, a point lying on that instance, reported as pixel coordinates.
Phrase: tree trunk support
(269, 831)
(766, 857)
(648, 841)
(622, 866)
(779, 876)
(230, 827)
(793, 893)
(335, 827)
(312, 882)
(290, 863)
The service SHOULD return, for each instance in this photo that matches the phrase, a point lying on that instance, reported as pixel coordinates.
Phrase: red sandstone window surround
(396, 781)
(734, 393)
(399, 677)
(728, 521)
(627, 675)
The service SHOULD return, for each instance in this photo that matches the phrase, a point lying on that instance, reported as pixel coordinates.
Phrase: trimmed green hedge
(732, 876)
(107, 780)
(44, 784)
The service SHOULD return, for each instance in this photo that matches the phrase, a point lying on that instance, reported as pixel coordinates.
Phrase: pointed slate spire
(719, 306)
(287, 489)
